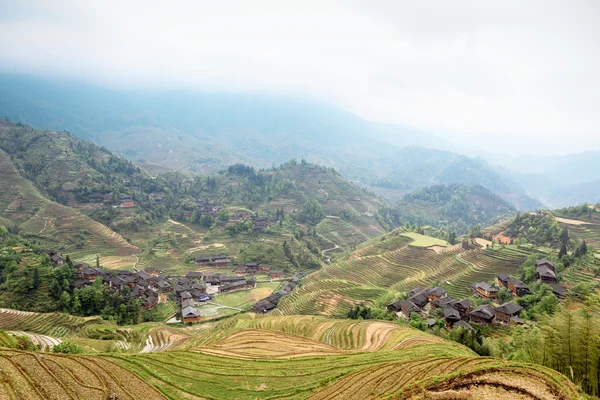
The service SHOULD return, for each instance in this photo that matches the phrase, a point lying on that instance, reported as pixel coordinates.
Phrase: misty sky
(495, 72)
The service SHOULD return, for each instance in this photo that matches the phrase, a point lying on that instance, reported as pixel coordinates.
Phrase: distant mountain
(457, 207)
(559, 181)
(416, 167)
(587, 192)
(206, 132)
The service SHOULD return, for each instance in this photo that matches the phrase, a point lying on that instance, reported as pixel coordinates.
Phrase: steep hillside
(457, 207)
(22, 205)
(295, 187)
(382, 268)
(70, 170)
(254, 357)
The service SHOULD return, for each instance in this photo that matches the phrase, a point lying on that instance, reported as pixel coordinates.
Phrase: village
(461, 313)
(193, 289)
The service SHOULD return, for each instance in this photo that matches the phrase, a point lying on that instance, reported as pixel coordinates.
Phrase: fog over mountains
(204, 132)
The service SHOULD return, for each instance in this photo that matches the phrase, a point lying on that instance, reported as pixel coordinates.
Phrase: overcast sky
(494, 72)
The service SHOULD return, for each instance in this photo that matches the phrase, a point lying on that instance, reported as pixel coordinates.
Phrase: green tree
(504, 295)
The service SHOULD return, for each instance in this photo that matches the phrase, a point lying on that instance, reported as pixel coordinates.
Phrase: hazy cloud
(488, 71)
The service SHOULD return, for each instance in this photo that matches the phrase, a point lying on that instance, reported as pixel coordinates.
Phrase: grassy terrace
(424, 241)
(300, 357)
(52, 324)
(267, 357)
(382, 267)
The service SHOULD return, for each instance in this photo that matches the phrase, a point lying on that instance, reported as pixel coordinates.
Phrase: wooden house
(127, 202)
(420, 299)
(263, 306)
(251, 267)
(190, 314)
(89, 273)
(233, 286)
(463, 307)
(484, 290)
(451, 317)
(57, 260)
(463, 324)
(196, 275)
(152, 271)
(264, 268)
(436, 293)
(150, 302)
(276, 274)
(515, 286)
(407, 307)
(545, 263)
(484, 314)
(545, 274)
(559, 291)
(222, 262)
(506, 313)
(208, 260)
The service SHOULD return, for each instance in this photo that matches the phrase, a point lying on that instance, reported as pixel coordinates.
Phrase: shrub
(67, 348)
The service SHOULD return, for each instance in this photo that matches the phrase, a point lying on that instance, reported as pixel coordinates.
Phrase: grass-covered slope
(290, 187)
(396, 262)
(298, 357)
(21, 204)
(266, 357)
(66, 168)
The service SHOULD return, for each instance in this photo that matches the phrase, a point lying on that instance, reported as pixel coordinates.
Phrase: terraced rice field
(296, 357)
(424, 241)
(590, 233)
(49, 377)
(344, 335)
(288, 357)
(380, 269)
(46, 343)
(163, 339)
(51, 324)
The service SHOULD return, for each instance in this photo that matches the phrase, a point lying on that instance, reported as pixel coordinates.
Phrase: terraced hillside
(255, 357)
(264, 357)
(49, 377)
(22, 204)
(583, 228)
(382, 267)
(51, 324)
(351, 210)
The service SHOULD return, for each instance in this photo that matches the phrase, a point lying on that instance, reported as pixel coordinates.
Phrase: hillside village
(193, 288)
(459, 313)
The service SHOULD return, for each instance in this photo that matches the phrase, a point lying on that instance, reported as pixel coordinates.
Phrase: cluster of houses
(457, 313)
(125, 201)
(143, 285)
(545, 273)
(461, 312)
(249, 268)
(270, 302)
(259, 224)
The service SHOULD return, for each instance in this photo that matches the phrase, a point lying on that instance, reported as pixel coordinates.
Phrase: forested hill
(456, 207)
(68, 169)
(316, 196)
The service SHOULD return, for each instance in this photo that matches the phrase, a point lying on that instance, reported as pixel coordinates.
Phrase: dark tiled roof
(483, 311)
(509, 308)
